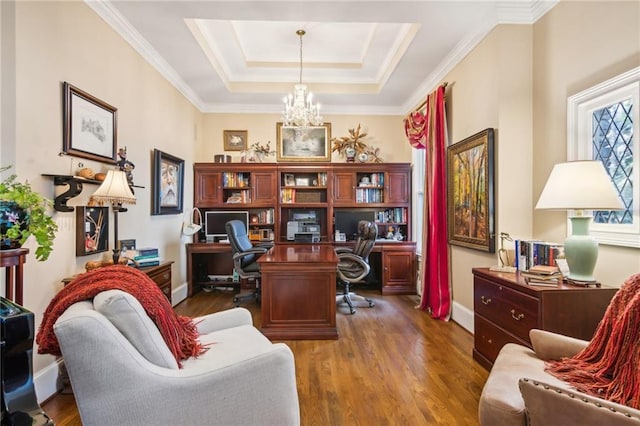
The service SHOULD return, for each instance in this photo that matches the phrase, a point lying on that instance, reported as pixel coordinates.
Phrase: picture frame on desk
(470, 192)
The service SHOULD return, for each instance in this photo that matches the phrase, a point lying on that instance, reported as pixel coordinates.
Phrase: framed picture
(302, 181)
(92, 230)
(235, 140)
(470, 192)
(168, 183)
(308, 144)
(90, 126)
(289, 180)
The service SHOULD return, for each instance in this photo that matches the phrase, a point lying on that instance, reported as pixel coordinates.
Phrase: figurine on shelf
(126, 166)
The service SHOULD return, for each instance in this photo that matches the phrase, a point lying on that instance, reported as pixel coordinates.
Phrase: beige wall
(66, 41)
(384, 132)
(578, 45)
(491, 87)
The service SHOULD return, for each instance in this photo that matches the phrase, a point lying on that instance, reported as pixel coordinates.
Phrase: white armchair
(122, 372)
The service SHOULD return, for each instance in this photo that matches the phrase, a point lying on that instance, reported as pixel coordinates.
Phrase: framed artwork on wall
(92, 230)
(235, 140)
(90, 126)
(470, 192)
(309, 144)
(168, 183)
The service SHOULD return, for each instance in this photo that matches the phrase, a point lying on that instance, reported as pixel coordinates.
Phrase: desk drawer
(515, 312)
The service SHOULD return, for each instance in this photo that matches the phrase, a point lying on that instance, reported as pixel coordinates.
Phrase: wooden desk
(196, 252)
(299, 292)
(14, 260)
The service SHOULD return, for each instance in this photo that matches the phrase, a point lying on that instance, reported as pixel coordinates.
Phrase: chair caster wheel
(371, 304)
(353, 311)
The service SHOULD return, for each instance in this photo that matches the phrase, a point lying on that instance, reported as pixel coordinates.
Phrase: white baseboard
(462, 316)
(179, 294)
(45, 381)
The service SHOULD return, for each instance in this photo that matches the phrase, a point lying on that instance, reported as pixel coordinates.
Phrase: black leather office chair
(245, 255)
(353, 263)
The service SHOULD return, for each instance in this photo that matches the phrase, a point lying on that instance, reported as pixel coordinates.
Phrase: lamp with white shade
(115, 190)
(580, 186)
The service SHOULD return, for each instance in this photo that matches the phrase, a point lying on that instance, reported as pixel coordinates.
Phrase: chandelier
(299, 110)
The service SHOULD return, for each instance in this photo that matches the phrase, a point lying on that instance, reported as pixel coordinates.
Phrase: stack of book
(148, 256)
(542, 275)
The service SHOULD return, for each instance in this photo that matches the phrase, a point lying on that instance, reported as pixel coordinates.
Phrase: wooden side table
(13, 260)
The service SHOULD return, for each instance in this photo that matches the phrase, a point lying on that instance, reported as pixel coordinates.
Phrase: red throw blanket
(179, 332)
(609, 367)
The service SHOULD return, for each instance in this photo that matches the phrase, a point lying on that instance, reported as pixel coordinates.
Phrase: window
(419, 170)
(603, 124)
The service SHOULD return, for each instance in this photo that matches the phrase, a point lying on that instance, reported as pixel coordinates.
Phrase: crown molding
(516, 12)
(121, 25)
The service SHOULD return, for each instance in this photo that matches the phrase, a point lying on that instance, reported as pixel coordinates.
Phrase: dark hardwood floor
(392, 365)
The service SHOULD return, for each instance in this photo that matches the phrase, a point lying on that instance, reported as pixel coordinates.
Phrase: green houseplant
(23, 212)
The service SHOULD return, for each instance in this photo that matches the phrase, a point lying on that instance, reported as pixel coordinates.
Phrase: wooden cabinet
(398, 268)
(223, 185)
(275, 194)
(506, 308)
(161, 275)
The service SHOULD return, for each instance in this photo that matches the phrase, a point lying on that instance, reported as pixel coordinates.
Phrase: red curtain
(427, 130)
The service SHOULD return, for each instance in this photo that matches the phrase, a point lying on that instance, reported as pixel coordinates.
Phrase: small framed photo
(235, 140)
(289, 180)
(92, 230)
(302, 181)
(309, 144)
(90, 126)
(168, 183)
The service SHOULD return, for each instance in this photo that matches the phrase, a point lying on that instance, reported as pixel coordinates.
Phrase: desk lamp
(115, 190)
(579, 186)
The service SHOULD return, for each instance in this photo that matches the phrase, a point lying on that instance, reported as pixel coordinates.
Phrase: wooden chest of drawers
(506, 308)
(161, 275)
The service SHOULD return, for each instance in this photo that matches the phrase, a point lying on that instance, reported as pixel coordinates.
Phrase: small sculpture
(126, 166)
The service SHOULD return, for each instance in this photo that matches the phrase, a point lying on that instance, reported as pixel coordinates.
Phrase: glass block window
(603, 124)
(612, 140)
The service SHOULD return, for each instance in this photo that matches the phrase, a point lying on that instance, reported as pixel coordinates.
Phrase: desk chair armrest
(264, 245)
(340, 250)
(254, 250)
(359, 272)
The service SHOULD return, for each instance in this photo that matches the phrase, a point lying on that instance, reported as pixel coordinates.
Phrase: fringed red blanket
(179, 332)
(609, 367)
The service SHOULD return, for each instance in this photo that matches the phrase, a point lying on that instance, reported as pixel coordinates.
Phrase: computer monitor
(346, 220)
(214, 222)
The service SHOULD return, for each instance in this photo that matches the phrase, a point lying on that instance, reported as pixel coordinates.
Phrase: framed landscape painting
(311, 143)
(470, 192)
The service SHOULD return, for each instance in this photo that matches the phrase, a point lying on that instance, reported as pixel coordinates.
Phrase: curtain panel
(426, 129)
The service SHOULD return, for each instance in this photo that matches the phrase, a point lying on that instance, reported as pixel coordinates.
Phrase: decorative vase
(350, 154)
(11, 215)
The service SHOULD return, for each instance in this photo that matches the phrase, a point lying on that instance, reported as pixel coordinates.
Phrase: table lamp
(579, 186)
(115, 190)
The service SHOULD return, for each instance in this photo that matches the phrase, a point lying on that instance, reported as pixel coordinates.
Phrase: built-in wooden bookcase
(275, 194)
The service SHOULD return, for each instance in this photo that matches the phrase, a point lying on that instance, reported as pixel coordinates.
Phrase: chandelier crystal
(299, 110)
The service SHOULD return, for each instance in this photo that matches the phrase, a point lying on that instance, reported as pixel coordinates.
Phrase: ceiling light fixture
(299, 110)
